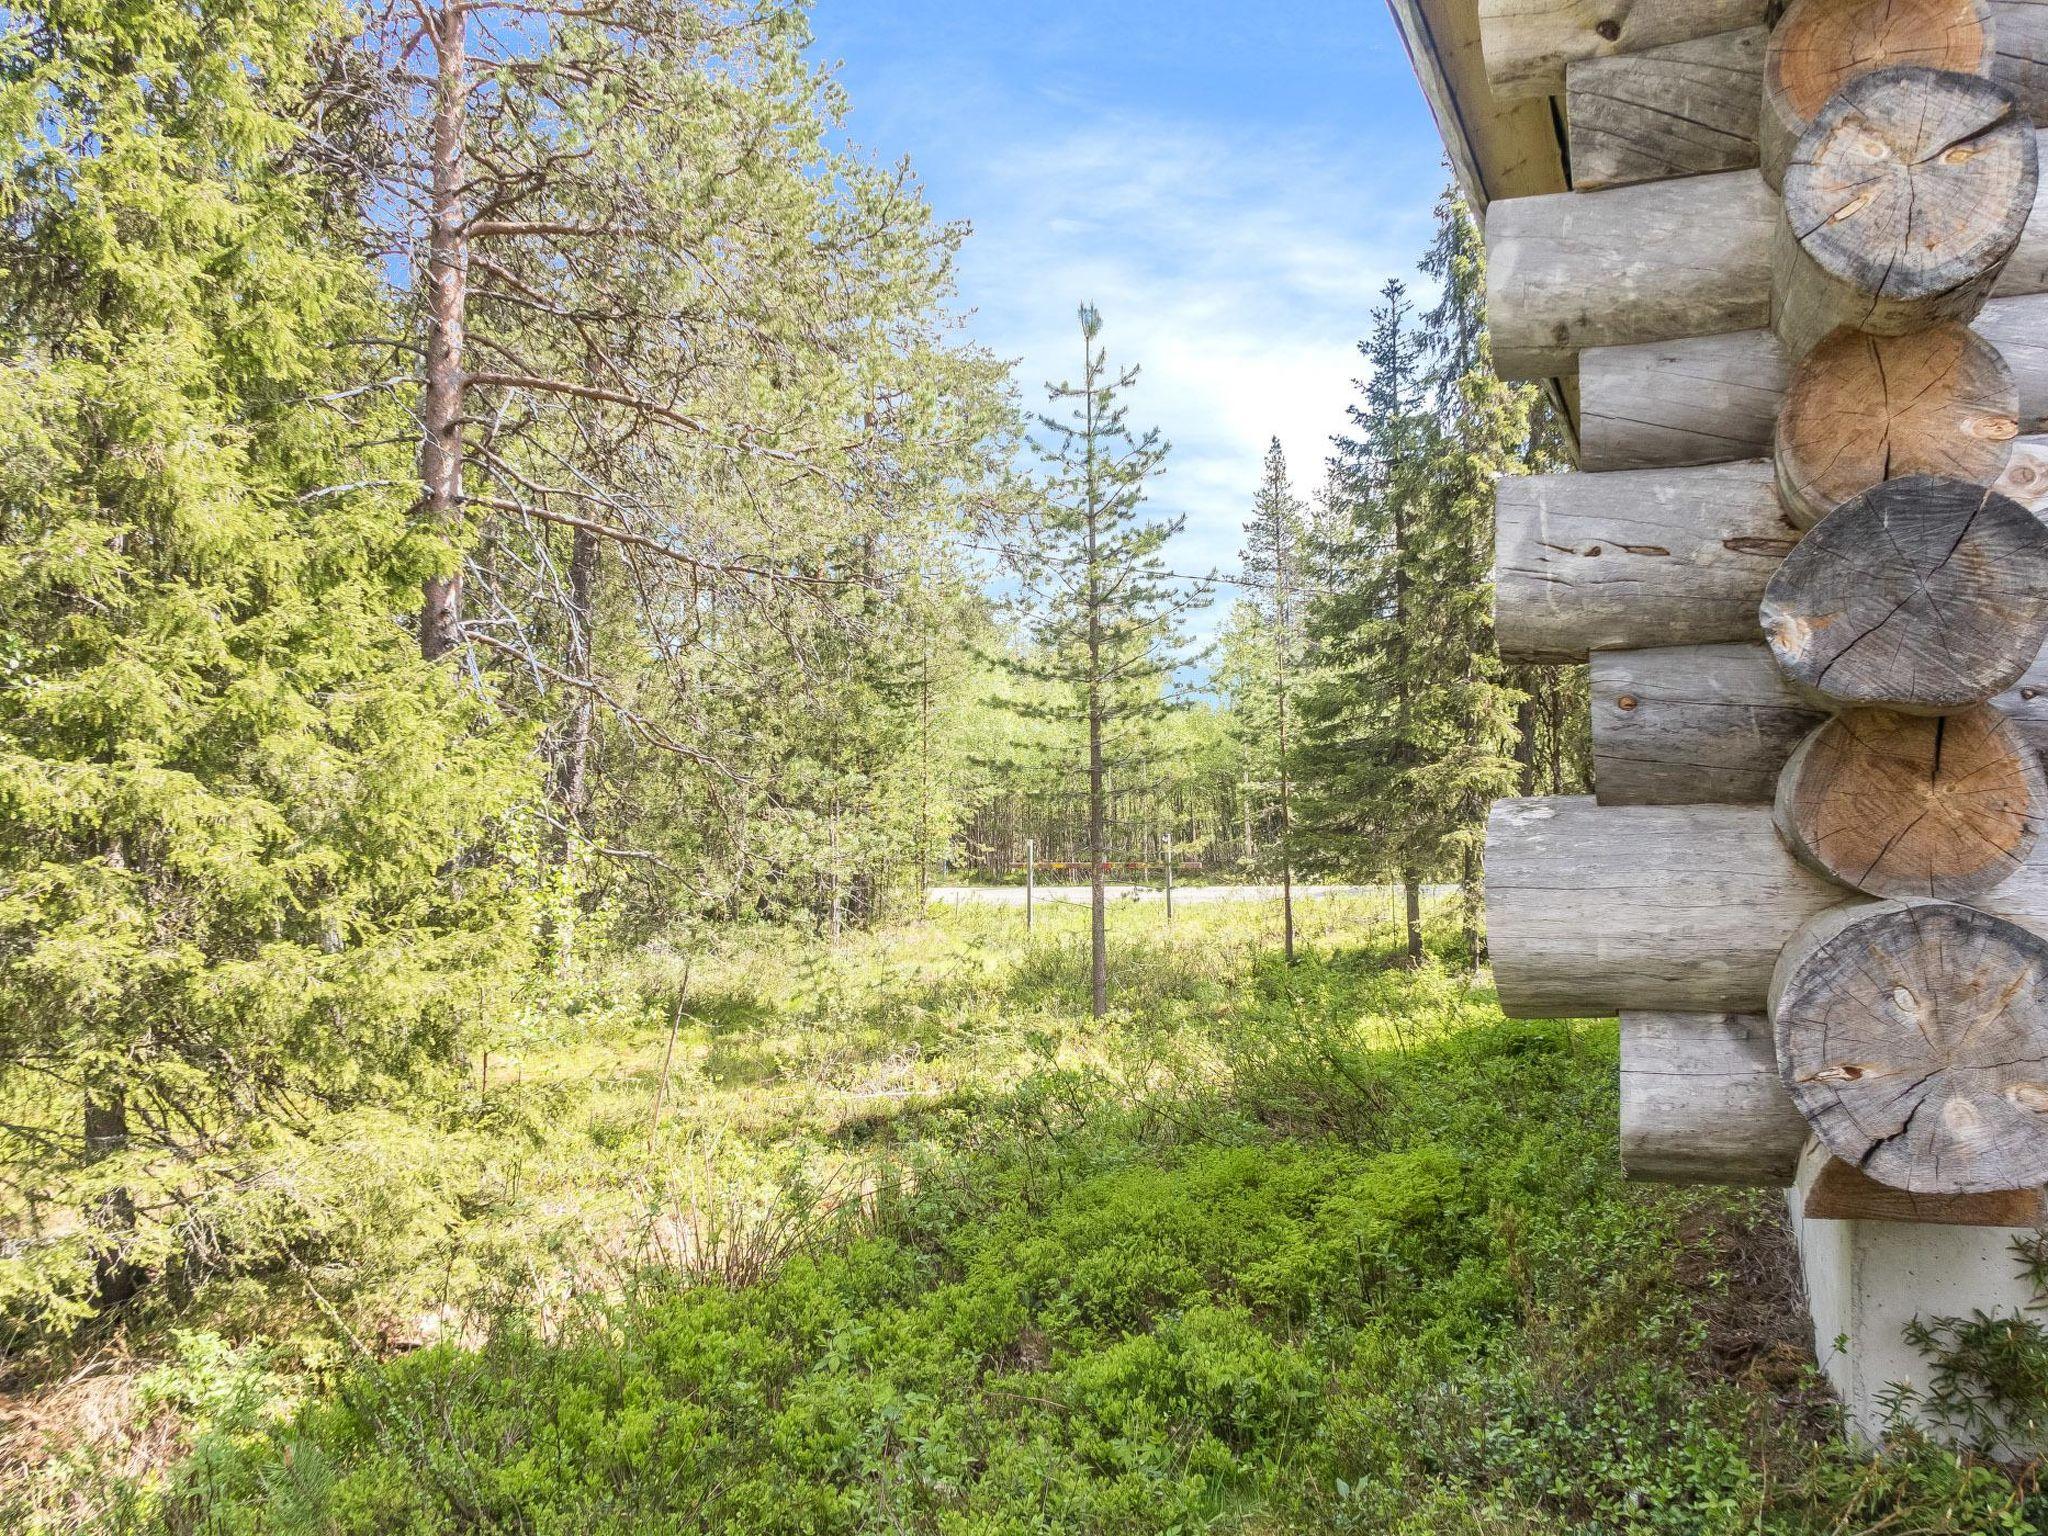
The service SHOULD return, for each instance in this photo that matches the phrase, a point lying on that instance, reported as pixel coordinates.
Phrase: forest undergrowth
(889, 1237)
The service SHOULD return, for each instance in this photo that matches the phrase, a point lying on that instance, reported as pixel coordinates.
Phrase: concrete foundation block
(1866, 1280)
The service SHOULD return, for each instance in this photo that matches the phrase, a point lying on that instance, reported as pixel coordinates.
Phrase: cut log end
(1903, 202)
(1822, 45)
(1914, 1038)
(1922, 595)
(1864, 409)
(1912, 805)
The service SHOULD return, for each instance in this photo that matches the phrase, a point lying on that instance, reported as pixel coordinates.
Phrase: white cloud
(1239, 271)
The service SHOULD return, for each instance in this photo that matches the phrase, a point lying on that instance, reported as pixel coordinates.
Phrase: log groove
(1922, 595)
(1913, 1036)
(1913, 805)
(1903, 202)
(1864, 409)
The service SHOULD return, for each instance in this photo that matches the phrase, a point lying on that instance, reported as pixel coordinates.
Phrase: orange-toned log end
(1821, 45)
(1903, 203)
(1842, 1193)
(1913, 1036)
(1923, 594)
(1943, 806)
(1864, 409)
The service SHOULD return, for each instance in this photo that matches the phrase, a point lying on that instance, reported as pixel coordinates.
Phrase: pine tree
(1106, 614)
(244, 831)
(1273, 562)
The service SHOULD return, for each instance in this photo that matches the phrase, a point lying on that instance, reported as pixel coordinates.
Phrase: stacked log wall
(1728, 407)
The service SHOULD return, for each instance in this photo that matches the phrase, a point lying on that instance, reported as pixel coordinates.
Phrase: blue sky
(1229, 183)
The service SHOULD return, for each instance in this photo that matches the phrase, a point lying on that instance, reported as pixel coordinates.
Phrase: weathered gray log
(2020, 33)
(1684, 109)
(1863, 409)
(1839, 1192)
(1913, 1036)
(1614, 562)
(1943, 806)
(1701, 1101)
(1598, 909)
(1681, 725)
(1821, 45)
(1715, 724)
(1710, 399)
(1902, 204)
(1595, 910)
(1530, 43)
(1922, 594)
(1585, 269)
(1651, 263)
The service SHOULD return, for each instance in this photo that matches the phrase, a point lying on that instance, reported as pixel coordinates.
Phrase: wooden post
(1030, 880)
(1166, 848)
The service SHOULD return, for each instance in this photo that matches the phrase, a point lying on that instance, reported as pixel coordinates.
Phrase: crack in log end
(1968, 1046)
(1924, 594)
(1886, 228)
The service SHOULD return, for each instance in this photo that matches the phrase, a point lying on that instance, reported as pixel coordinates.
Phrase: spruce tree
(1479, 430)
(244, 830)
(1106, 614)
(1364, 721)
(1273, 564)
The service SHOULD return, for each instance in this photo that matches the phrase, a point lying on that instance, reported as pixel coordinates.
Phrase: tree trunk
(1921, 595)
(1903, 203)
(1914, 1038)
(1525, 744)
(441, 446)
(1822, 45)
(1908, 805)
(1411, 896)
(572, 765)
(1864, 409)
(115, 1278)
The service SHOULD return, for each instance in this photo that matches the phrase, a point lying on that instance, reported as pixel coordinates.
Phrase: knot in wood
(1945, 1093)
(1903, 200)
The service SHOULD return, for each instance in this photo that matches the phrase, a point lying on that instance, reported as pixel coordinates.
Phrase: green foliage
(1336, 1248)
(250, 849)
(1412, 725)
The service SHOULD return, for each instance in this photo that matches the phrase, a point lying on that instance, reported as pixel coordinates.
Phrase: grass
(914, 1247)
